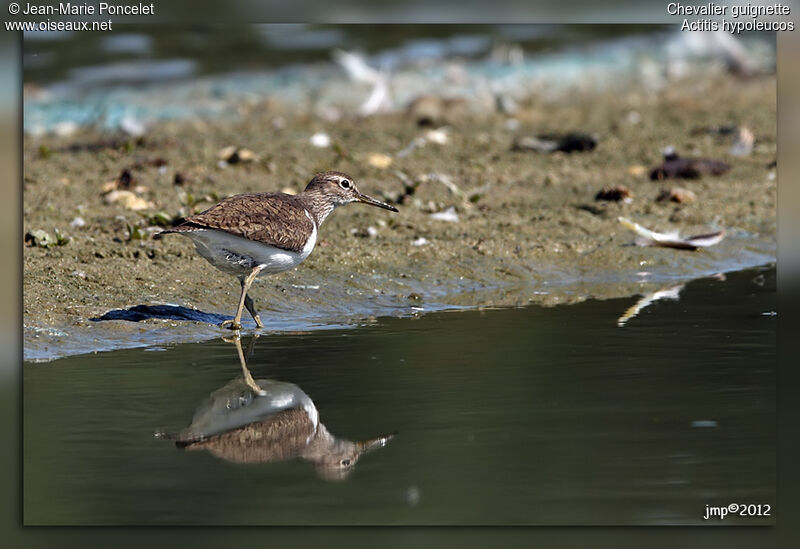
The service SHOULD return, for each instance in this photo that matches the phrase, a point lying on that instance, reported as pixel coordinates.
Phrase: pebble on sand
(677, 167)
(128, 200)
(567, 143)
(676, 194)
(615, 193)
(379, 160)
(234, 155)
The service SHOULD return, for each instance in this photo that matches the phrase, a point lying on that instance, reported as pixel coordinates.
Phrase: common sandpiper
(253, 234)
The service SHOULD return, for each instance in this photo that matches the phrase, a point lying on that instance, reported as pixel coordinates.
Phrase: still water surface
(516, 416)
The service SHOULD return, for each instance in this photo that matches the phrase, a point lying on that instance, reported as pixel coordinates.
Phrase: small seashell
(226, 152)
(421, 241)
(128, 200)
(78, 222)
(379, 160)
(438, 136)
(245, 155)
(132, 127)
(448, 215)
(321, 140)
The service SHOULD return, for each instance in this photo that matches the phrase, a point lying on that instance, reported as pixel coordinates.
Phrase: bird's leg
(248, 303)
(248, 377)
(236, 323)
(251, 347)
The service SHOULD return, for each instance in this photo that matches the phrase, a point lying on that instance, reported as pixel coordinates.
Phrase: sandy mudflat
(531, 233)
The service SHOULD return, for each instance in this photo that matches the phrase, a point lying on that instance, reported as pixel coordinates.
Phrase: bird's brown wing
(275, 219)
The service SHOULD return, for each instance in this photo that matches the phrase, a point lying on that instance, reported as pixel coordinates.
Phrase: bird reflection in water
(249, 421)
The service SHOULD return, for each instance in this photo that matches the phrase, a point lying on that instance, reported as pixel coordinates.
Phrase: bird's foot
(231, 325)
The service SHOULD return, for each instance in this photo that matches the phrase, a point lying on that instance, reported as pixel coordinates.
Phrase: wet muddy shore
(527, 226)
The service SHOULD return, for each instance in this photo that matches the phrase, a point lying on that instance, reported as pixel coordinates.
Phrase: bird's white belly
(235, 255)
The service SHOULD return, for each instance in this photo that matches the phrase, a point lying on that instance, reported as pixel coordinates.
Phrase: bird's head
(340, 189)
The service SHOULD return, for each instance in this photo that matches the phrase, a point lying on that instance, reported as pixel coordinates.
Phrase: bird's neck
(318, 205)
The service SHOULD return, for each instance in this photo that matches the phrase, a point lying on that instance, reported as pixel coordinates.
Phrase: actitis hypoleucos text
(254, 234)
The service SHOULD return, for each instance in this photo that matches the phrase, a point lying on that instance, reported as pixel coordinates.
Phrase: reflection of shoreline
(264, 421)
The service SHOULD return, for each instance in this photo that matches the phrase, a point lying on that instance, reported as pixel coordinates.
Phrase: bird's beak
(361, 197)
(373, 443)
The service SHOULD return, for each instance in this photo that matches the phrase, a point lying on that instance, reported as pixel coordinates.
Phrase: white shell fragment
(743, 145)
(438, 136)
(448, 215)
(321, 140)
(132, 126)
(671, 240)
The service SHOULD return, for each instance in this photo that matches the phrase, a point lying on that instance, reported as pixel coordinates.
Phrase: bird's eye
(345, 462)
(345, 183)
